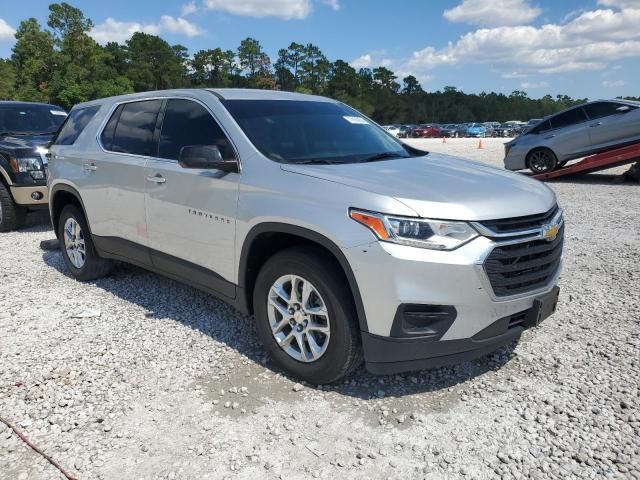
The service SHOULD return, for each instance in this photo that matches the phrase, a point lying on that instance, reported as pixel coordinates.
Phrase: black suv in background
(25, 130)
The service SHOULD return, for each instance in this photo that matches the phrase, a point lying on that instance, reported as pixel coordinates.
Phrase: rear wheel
(542, 160)
(77, 247)
(305, 316)
(12, 216)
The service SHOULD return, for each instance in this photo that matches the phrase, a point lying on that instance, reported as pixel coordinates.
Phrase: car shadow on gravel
(37, 222)
(164, 299)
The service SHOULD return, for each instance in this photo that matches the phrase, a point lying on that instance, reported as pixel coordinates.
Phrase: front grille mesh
(522, 267)
(518, 224)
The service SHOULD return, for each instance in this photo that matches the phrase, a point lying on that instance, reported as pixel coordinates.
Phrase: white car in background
(392, 129)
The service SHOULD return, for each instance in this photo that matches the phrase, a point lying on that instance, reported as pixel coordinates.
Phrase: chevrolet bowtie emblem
(550, 232)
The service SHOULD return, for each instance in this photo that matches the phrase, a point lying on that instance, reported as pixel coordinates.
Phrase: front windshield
(30, 119)
(294, 131)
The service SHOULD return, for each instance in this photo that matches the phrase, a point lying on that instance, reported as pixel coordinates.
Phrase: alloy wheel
(298, 318)
(541, 161)
(74, 242)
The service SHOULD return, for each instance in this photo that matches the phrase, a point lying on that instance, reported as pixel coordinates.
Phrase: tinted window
(134, 131)
(110, 128)
(541, 127)
(25, 119)
(189, 123)
(294, 131)
(570, 117)
(601, 109)
(74, 125)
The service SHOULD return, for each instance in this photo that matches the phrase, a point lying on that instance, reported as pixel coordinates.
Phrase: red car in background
(427, 130)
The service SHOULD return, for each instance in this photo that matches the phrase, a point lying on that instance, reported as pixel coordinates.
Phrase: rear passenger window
(601, 109)
(188, 123)
(133, 132)
(74, 125)
(570, 117)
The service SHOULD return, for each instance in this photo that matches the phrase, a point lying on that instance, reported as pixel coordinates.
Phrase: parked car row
(456, 130)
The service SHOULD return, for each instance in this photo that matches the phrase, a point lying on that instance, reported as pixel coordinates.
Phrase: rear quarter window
(74, 124)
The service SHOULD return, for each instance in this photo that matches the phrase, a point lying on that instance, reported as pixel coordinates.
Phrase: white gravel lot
(160, 381)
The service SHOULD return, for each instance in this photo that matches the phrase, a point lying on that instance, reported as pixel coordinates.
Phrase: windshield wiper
(311, 161)
(383, 156)
(11, 133)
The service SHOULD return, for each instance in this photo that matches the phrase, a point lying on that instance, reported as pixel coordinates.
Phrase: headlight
(416, 232)
(27, 164)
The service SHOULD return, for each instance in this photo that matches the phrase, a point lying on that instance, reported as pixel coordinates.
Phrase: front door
(191, 212)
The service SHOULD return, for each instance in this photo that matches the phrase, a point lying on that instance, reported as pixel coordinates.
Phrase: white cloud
(364, 61)
(512, 75)
(7, 32)
(588, 42)
(620, 3)
(613, 83)
(188, 9)
(112, 30)
(286, 9)
(493, 13)
(333, 4)
(179, 26)
(533, 85)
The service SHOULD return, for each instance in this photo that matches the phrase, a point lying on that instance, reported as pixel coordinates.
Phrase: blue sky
(588, 48)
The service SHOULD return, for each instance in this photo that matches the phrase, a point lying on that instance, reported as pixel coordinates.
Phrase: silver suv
(342, 241)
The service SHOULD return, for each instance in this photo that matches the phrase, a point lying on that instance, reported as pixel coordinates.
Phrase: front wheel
(77, 247)
(542, 160)
(305, 316)
(12, 217)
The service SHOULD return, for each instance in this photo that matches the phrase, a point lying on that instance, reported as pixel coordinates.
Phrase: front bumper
(25, 195)
(391, 275)
(515, 157)
(385, 356)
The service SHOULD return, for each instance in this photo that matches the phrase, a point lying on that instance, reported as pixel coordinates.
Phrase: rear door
(609, 127)
(567, 136)
(114, 191)
(191, 212)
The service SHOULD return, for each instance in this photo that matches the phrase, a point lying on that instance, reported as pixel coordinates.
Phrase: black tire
(344, 352)
(12, 216)
(541, 160)
(94, 266)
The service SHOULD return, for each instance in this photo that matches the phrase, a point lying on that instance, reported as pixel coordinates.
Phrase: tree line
(62, 64)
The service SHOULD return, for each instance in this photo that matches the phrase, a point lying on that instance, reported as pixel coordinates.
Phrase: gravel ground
(138, 377)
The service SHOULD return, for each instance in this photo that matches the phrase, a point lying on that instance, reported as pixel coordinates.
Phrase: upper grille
(518, 224)
(525, 266)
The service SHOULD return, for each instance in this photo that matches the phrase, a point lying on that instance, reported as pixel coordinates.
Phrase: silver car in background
(574, 133)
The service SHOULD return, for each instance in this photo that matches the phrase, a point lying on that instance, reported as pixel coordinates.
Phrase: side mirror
(205, 157)
(623, 109)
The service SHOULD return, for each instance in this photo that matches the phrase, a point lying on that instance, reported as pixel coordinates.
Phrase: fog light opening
(37, 195)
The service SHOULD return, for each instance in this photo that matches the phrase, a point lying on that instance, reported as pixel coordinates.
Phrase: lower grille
(523, 267)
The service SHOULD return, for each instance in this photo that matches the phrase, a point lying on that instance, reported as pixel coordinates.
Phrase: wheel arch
(266, 239)
(61, 195)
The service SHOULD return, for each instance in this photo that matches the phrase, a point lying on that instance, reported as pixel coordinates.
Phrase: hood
(441, 187)
(17, 144)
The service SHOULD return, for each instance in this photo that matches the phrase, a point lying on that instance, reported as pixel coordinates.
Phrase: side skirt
(172, 267)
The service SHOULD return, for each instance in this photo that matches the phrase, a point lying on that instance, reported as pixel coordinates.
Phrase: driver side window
(188, 123)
